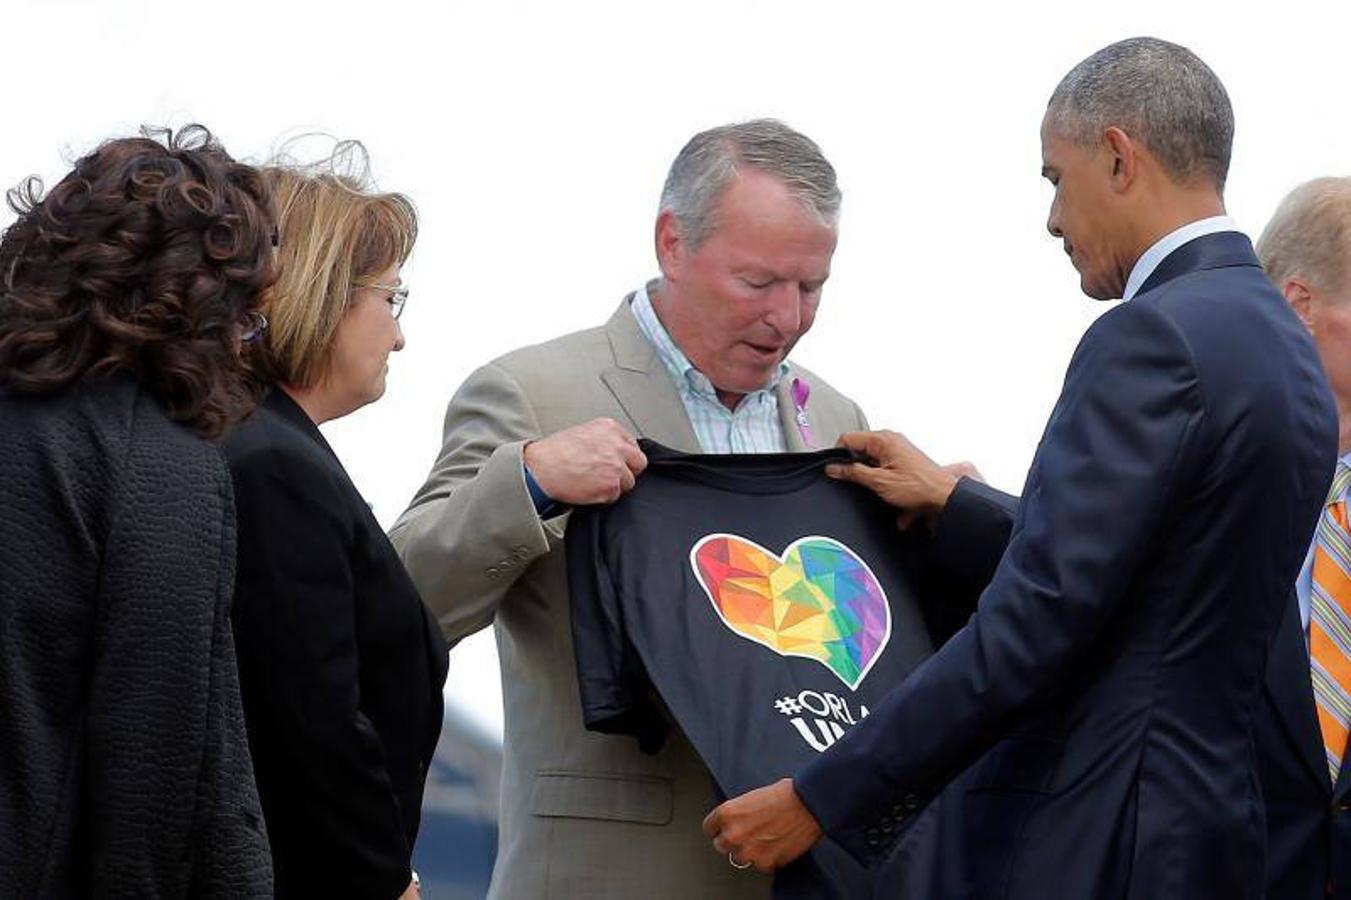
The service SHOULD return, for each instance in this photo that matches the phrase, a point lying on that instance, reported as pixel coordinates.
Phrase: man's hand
(767, 828)
(585, 464)
(901, 474)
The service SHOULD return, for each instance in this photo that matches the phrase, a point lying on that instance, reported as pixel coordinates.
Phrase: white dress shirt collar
(1150, 259)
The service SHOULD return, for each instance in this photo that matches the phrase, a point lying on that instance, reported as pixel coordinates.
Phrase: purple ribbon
(800, 392)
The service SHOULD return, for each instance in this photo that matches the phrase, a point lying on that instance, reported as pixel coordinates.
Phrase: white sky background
(534, 137)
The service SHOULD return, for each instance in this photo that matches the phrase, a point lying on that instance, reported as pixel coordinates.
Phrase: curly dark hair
(145, 259)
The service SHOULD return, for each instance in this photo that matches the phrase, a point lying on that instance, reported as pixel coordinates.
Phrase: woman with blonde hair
(341, 666)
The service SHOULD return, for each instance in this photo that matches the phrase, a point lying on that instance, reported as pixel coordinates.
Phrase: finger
(863, 474)
(872, 444)
(633, 458)
(845, 471)
(907, 519)
(721, 846)
(626, 481)
(854, 440)
(619, 431)
(713, 822)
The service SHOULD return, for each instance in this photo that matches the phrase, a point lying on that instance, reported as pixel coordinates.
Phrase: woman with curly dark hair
(125, 294)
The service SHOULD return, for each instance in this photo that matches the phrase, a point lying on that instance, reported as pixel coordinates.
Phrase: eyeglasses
(398, 295)
(255, 326)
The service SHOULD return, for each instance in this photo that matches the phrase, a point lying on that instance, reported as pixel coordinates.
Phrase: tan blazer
(583, 815)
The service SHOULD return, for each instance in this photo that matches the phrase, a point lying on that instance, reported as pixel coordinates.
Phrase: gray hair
(1310, 235)
(1159, 93)
(710, 160)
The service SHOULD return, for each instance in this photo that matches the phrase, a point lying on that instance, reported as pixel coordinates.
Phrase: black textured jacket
(124, 769)
(341, 665)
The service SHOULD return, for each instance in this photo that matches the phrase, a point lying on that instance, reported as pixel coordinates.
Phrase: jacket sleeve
(331, 805)
(173, 808)
(1116, 457)
(472, 529)
(971, 534)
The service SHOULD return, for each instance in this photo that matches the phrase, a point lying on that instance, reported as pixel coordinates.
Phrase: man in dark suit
(1103, 693)
(1301, 724)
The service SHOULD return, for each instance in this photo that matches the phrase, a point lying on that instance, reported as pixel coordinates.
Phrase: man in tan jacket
(697, 360)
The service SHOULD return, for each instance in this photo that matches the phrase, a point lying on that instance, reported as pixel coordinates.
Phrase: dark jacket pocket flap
(645, 799)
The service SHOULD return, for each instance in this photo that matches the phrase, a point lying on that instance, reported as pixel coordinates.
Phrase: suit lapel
(643, 387)
(1291, 694)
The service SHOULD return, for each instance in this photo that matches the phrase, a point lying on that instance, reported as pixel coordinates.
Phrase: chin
(1097, 290)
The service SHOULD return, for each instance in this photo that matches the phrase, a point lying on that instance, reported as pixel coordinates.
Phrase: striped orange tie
(1330, 622)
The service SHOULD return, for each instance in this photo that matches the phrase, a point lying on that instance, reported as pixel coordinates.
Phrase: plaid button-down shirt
(753, 427)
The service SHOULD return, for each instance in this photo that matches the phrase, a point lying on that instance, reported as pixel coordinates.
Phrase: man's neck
(1167, 212)
(656, 295)
(729, 400)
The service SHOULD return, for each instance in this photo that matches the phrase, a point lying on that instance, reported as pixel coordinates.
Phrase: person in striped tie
(1301, 731)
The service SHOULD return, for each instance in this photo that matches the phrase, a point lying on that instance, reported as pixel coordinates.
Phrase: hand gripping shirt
(767, 605)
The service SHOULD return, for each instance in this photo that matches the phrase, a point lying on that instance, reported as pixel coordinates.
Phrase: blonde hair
(1310, 235)
(334, 233)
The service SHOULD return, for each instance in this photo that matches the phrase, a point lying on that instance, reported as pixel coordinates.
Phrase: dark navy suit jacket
(1308, 827)
(1102, 695)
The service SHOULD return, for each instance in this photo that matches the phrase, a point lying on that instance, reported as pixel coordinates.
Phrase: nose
(1053, 221)
(399, 341)
(785, 308)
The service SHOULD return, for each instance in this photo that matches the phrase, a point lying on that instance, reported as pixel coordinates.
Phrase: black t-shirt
(768, 605)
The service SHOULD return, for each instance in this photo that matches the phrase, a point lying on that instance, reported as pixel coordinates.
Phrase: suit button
(1344, 806)
(910, 803)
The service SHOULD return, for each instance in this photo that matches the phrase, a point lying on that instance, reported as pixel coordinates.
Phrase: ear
(670, 245)
(1300, 297)
(1123, 155)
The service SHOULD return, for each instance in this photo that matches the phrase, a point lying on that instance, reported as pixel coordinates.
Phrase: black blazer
(341, 665)
(1108, 680)
(124, 767)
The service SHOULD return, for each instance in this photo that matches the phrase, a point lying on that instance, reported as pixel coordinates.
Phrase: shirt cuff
(545, 506)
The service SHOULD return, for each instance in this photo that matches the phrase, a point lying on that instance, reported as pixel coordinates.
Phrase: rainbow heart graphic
(818, 600)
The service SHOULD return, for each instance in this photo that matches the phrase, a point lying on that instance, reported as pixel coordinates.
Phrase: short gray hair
(710, 160)
(1159, 93)
(1310, 235)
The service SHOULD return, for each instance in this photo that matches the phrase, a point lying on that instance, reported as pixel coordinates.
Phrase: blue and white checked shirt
(754, 427)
